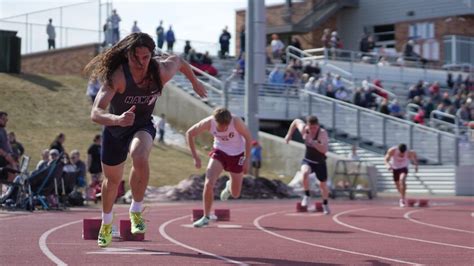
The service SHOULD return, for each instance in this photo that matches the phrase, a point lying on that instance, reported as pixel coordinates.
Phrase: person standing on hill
(51, 35)
(133, 80)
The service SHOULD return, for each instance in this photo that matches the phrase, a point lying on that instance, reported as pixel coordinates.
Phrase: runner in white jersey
(397, 160)
(231, 152)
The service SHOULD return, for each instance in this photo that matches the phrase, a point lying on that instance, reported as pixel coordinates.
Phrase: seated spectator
(434, 88)
(419, 118)
(446, 100)
(290, 76)
(464, 115)
(342, 94)
(417, 100)
(379, 90)
(310, 85)
(312, 69)
(80, 166)
(330, 92)
(383, 62)
(206, 59)
(276, 76)
(44, 160)
(411, 93)
(384, 109)
(395, 109)
(358, 98)
(53, 155)
(277, 47)
(429, 106)
(353, 154)
(68, 167)
(410, 55)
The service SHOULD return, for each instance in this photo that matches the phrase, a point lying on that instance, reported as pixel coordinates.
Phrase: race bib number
(241, 160)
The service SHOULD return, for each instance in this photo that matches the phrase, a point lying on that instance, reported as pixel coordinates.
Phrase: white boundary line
(407, 216)
(44, 247)
(335, 218)
(169, 238)
(257, 224)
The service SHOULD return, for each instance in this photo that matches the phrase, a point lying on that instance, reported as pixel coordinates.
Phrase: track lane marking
(407, 216)
(256, 222)
(336, 219)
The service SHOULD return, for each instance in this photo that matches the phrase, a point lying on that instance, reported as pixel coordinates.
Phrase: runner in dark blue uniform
(133, 80)
(316, 142)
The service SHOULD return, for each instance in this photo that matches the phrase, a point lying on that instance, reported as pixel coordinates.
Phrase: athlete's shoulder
(118, 80)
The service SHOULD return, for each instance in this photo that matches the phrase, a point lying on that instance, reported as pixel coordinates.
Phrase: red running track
(358, 232)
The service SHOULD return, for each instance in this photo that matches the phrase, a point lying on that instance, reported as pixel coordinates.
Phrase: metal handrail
(434, 118)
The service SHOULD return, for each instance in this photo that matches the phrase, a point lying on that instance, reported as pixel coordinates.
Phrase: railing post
(225, 95)
(358, 125)
(456, 150)
(326, 57)
(440, 158)
(384, 132)
(410, 137)
(352, 62)
(310, 104)
(334, 119)
(287, 112)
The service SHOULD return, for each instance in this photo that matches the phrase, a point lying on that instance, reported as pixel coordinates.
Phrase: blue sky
(196, 20)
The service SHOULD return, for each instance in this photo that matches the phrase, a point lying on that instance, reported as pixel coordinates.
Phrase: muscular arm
(296, 124)
(171, 65)
(196, 129)
(98, 113)
(322, 143)
(388, 156)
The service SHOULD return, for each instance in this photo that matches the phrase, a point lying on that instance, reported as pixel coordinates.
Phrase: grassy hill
(42, 106)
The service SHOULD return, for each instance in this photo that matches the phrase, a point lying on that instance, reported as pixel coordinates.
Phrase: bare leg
(236, 184)
(214, 169)
(305, 170)
(140, 149)
(112, 178)
(324, 190)
(402, 185)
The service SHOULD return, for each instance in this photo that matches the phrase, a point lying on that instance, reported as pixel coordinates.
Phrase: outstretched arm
(196, 129)
(171, 65)
(296, 124)
(387, 158)
(244, 131)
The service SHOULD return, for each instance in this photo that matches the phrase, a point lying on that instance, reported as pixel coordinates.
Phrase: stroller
(18, 195)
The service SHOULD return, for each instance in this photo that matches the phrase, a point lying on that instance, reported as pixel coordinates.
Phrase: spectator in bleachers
(342, 94)
(58, 142)
(170, 39)
(409, 53)
(335, 43)
(276, 76)
(358, 98)
(411, 93)
(44, 160)
(458, 100)
(115, 20)
(224, 41)
(310, 84)
(446, 100)
(277, 47)
(395, 109)
(383, 62)
(50, 30)
(429, 106)
(296, 43)
(419, 118)
(417, 100)
(206, 59)
(17, 148)
(68, 167)
(187, 48)
(80, 167)
(459, 81)
(241, 66)
(290, 76)
(450, 81)
(370, 100)
(464, 115)
(312, 69)
(384, 109)
(53, 155)
(330, 91)
(160, 35)
(366, 44)
(135, 28)
(242, 40)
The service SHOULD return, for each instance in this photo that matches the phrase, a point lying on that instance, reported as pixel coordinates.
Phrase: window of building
(421, 31)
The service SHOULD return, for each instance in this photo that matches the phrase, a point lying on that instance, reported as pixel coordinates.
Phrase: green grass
(42, 106)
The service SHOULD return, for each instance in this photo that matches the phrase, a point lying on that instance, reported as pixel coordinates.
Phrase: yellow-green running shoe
(105, 235)
(137, 223)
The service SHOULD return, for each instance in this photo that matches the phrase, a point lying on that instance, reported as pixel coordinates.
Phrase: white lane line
(169, 238)
(256, 222)
(335, 218)
(44, 247)
(127, 251)
(407, 216)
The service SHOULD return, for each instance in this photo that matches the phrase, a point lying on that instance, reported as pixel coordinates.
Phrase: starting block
(318, 207)
(90, 228)
(221, 214)
(417, 203)
(126, 234)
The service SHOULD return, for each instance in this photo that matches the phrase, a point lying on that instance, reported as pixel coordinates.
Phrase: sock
(107, 218)
(325, 202)
(136, 206)
(306, 192)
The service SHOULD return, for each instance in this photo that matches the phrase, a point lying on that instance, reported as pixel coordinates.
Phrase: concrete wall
(465, 180)
(67, 61)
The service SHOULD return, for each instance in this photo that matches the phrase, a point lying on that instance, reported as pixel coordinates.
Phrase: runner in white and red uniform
(397, 160)
(230, 152)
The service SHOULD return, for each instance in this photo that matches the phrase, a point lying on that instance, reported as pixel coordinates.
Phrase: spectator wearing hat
(256, 153)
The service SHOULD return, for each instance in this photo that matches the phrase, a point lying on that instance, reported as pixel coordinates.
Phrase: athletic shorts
(320, 169)
(114, 150)
(398, 172)
(233, 164)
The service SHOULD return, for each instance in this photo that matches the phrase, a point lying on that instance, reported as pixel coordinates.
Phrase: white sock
(107, 217)
(136, 206)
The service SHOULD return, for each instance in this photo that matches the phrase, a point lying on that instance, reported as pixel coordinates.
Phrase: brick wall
(454, 26)
(67, 61)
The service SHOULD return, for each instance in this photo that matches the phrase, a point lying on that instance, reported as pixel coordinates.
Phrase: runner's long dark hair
(103, 65)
